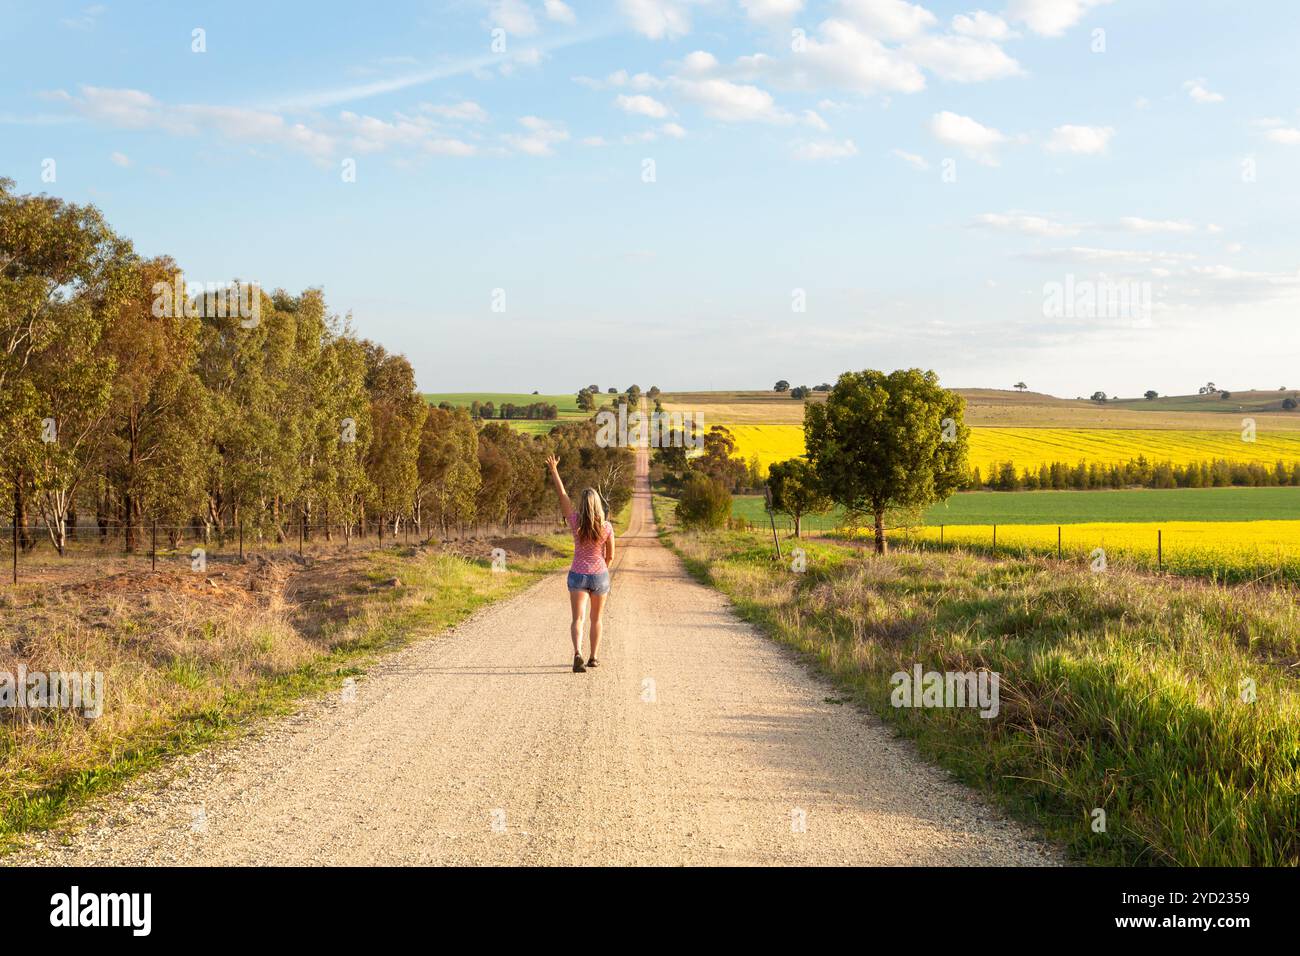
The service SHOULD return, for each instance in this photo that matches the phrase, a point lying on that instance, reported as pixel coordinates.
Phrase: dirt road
(697, 741)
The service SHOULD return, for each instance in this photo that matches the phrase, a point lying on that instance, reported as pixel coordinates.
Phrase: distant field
(1010, 409)
(565, 403)
(1075, 507)
(1030, 447)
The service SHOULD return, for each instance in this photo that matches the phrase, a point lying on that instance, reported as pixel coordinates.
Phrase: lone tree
(884, 443)
(781, 386)
(1020, 386)
(795, 491)
(1151, 395)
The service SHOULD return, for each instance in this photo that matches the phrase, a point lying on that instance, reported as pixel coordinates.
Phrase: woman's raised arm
(553, 464)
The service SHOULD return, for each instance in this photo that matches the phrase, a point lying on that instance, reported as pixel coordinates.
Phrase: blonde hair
(591, 516)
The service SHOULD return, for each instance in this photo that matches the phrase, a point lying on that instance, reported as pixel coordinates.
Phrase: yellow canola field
(1031, 447)
(1234, 550)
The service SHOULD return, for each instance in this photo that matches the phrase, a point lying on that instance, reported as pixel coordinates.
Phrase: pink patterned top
(589, 556)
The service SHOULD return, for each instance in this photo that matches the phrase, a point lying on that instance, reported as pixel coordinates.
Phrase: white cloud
(731, 102)
(657, 19)
(1084, 140)
(513, 16)
(85, 20)
(642, 105)
(594, 141)
(976, 140)
(962, 59)
(815, 121)
(560, 12)
(371, 135)
(1198, 91)
(981, 25)
(1286, 135)
(889, 19)
(449, 147)
(135, 109)
(1026, 225)
(912, 159)
(840, 56)
(467, 111)
(825, 149)
(1050, 17)
(539, 136)
(673, 130)
(771, 11)
(1114, 257)
(1136, 224)
(120, 159)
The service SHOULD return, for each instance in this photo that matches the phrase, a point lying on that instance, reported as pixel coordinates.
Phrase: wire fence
(1151, 549)
(159, 544)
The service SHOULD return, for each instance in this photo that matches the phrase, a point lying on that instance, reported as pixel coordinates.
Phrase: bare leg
(578, 603)
(597, 609)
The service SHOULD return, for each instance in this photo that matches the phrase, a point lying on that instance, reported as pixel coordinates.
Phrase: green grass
(1118, 691)
(1248, 401)
(1078, 507)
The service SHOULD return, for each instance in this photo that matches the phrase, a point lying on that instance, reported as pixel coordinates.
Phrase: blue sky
(920, 177)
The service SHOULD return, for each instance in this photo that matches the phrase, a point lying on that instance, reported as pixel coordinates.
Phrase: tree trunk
(880, 531)
(25, 540)
(798, 524)
(128, 519)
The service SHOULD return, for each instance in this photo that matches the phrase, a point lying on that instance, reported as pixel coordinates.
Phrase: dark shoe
(578, 667)
(592, 662)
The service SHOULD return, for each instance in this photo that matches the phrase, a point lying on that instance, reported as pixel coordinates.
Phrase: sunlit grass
(1119, 691)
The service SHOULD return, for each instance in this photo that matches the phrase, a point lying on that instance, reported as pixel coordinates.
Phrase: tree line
(126, 397)
(1136, 473)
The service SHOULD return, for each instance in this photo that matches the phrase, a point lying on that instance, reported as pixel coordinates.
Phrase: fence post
(1160, 548)
(941, 536)
(241, 539)
(15, 529)
(1058, 542)
(153, 546)
(302, 530)
(995, 538)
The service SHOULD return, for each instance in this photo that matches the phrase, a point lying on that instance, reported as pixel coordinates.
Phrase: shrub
(705, 503)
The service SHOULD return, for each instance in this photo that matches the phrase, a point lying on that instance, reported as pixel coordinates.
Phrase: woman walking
(593, 551)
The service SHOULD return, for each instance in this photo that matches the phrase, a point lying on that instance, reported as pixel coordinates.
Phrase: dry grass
(188, 657)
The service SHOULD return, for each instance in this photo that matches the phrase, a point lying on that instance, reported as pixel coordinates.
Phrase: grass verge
(1171, 705)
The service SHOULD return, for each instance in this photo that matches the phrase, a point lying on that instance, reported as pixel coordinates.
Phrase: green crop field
(1079, 507)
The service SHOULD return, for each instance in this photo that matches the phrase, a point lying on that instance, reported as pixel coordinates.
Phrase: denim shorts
(593, 583)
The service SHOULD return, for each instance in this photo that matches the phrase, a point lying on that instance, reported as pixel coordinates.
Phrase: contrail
(361, 91)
